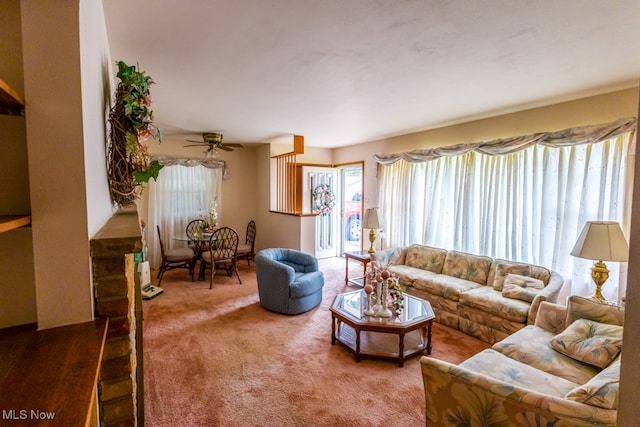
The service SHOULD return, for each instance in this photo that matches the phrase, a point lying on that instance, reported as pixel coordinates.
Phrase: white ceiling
(342, 72)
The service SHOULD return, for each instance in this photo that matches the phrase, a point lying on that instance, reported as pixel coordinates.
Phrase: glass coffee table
(395, 338)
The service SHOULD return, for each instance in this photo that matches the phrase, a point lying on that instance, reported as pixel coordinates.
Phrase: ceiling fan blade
(225, 147)
(199, 142)
(194, 145)
(233, 145)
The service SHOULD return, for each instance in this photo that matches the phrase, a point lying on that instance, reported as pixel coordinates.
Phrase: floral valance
(566, 137)
(207, 163)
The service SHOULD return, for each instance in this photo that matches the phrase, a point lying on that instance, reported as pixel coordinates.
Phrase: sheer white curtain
(527, 206)
(181, 194)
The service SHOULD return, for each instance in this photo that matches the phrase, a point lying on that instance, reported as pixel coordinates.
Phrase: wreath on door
(324, 200)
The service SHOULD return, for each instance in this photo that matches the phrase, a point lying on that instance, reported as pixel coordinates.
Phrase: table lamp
(373, 221)
(601, 241)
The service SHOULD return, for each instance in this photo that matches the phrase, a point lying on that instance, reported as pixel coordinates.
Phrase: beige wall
(63, 160)
(245, 194)
(238, 203)
(586, 111)
(17, 282)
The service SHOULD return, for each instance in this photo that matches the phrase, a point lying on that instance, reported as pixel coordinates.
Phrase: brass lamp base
(599, 274)
(372, 238)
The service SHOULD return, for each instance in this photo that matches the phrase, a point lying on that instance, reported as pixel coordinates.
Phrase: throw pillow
(504, 268)
(589, 342)
(521, 287)
(601, 390)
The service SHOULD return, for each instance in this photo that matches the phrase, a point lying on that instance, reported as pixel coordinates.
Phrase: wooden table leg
(333, 330)
(401, 352)
(346, 271)
(429, 336)
(357, 344)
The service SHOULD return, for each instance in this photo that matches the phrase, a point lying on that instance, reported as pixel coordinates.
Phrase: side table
(363, 257)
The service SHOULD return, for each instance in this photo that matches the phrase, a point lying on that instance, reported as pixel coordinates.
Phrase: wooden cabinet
(11, 103)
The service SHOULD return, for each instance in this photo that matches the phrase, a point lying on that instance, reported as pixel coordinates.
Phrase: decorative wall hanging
(323, 200)
(131, 120)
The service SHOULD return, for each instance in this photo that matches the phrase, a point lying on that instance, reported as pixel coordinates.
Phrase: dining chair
(246, 249)
(194, 232)
(222, 253)
(175, 258)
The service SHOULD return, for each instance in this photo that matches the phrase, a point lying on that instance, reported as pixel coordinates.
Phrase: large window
(181, 194)
(526, 206)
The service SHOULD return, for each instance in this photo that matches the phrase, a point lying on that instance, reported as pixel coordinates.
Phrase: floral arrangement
(213, 212)
(131, 120)
(376, 276)
(324, 200)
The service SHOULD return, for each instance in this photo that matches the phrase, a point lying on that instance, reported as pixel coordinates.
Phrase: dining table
(199, 242)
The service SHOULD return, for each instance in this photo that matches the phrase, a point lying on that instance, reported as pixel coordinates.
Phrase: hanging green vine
(131, 119)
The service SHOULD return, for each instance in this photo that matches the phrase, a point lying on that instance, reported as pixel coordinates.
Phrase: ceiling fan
(214, 142)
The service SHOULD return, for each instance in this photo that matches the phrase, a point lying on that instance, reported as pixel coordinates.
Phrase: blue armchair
(288, 280)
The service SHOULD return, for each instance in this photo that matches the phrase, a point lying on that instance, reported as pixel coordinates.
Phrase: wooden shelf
(10, 222)
(10, 101)
(51, 372)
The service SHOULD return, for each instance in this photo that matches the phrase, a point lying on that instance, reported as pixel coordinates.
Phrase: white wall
(98, 87)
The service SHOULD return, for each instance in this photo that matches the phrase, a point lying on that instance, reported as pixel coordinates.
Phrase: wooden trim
(298, 144)
(299, 214)
(341, 165)
(10, 101)
(11, 222)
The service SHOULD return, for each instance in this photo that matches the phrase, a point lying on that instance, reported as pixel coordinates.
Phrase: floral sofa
(562, 371)
(483, 297)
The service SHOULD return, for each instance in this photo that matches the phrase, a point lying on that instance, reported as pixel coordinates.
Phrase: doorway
(316, 178)
(351, 208)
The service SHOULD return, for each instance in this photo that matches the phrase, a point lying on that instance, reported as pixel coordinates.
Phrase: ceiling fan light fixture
(212, 152)
(214, 141)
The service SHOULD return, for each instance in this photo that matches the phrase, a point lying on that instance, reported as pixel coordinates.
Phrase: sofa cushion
(443, 285)
(497, 365)
(467, 266)
(601, 390)
(587, 308)
(501, 268)
(426, 258)
(306, 284)
(391, 256)
(531, 345)
(493, 302)
(521, 287)
(407, 275)
(590, 342)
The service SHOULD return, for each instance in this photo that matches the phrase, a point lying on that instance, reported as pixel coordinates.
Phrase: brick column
(112, 252)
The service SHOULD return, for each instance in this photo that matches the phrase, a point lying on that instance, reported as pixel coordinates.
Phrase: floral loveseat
(543, 375)
(485, 298)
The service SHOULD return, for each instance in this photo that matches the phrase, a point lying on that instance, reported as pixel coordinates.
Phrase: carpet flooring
(215, 357)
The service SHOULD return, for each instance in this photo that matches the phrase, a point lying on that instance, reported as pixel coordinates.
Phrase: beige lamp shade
(373, 219)
(602, 241)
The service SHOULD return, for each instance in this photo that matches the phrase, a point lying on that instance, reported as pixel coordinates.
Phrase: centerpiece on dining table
(383, 291)
(210, 220)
